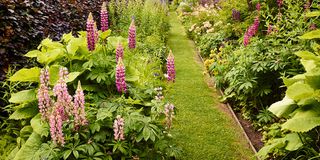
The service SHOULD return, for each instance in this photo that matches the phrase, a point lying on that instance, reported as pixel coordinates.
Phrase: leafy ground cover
(201, 129)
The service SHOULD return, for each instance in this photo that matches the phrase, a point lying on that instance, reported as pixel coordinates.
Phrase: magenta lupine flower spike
(132, 35)
(118, 128)
(171, 73)
(279, 2)
(56, 123)
(169, 112)
(78, 110)
(91, 35)
(121, 77)
(104, 17)
(44, 100)
(64, 99)
(119, 52)
(252, 30)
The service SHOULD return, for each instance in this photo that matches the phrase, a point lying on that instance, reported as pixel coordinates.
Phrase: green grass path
(201, 129)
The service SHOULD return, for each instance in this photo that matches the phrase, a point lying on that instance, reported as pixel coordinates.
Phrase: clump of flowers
(91, 33)
(78, 110)
(119, 52)
(132, 35)
(171, 72)
(121, 77)
(104, 17)
(118, 128)
(44, 100)
(235, 15)
(207, 24)
(169, 112)
(251, 31)
(61, 110)
(258, 6)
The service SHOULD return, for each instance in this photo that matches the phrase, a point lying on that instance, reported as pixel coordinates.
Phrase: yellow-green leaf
(23, 96)
(311, 35)
(33, 53)
(26, 75)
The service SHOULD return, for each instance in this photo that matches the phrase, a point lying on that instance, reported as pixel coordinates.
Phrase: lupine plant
(91, 33)
(104, 17)
(132, 35)
(171, 72)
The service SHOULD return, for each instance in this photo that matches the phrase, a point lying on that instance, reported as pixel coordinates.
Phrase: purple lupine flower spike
(279, 2)
(104, 17)
(44, 100)
(121, 77)
(132, 35)
(91, 35)
(118, 128)
(79, 109)
(119, 52)
(258, 6)
(252, 31)
(171, 73)
(56, 123)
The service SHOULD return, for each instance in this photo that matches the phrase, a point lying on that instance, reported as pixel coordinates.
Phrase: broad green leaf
(313, 14)
(23, 96)
(26, 131)
(24, 113)
(293, 141)
(305, 119)
(308, 65)
(31, 146)
(54, 74)
(268, 148)
(105, 34)
(146, 133)
(283, 108)
(307, 55)
(299, 91)
(39, 126)
(33, 53)
(311, 35)
(72, 76)
(290, 81)
(26, 75)
(74, 45)
(66, 154)
(67, 37)
(114, 41)
(49, 44)
(104, 113)
(50, 56)
(132, 74)
(313, 79)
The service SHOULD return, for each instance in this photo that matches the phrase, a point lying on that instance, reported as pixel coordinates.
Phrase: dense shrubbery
(125, 116)
(248, 52)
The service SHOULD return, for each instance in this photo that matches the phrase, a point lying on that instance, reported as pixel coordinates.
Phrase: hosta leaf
(283, 108)
(26, 75)
(31, 146)
(39, 126)
(268, 148)
(293, 141)
(23, 113)
(305, 119)
(311, 35)
(23, 96)
(299, 91)
(33, 53)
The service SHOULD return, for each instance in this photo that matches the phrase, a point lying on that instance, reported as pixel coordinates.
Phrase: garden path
(201, 128)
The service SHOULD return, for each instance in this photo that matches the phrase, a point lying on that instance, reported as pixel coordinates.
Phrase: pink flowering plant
(114, 112)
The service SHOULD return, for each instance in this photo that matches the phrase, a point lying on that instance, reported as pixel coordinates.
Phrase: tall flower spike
(64, 99)
(104, 17)
(118, 128)
(44, 100)
(258, 6)
(78, 110)
(169, 112)
(91, 35)
(119, 52)
(121, 77)
(56, 123)
(171, 73)
(132, 35)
